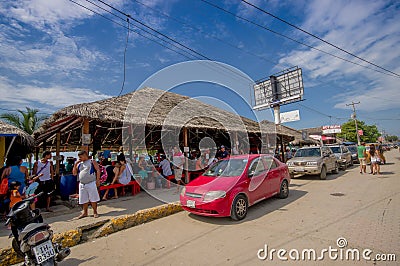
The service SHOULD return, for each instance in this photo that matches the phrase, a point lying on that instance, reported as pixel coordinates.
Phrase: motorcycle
(32, 237)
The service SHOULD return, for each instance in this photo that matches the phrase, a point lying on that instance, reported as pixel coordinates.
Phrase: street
(363, 209)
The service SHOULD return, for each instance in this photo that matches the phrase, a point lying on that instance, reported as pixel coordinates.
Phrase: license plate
(44, 251)
(299, 169)
(191, 204)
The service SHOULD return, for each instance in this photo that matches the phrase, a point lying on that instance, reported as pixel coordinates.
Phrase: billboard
(279, 89)
(332, 129)
(290, 116)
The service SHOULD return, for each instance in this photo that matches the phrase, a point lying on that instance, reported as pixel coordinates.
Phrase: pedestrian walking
(88, 173)
(178, 160)
(362, 154)
(45, 169)
(375, 160)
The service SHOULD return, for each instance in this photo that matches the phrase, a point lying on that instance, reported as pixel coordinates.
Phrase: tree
(370, 132)
(27, 121)
(392, 138)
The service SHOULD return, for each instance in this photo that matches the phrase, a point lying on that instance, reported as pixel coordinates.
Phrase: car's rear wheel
(322, 175)
(336, 170)
(284, 190)
(239, 207)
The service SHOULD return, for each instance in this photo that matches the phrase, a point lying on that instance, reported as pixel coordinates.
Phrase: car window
(336, 149)
(308, 152)
(256, 167)
(269, 162)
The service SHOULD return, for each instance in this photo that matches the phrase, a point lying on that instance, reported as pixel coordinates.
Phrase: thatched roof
(8, 129)
(268, 126)
(163, 109)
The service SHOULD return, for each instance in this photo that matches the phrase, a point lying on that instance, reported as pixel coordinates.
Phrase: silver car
(343, 155)
(313, 161)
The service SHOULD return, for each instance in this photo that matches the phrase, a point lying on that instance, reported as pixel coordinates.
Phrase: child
(31, 187)
(14, 194)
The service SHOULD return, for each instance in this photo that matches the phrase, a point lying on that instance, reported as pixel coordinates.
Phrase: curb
(74, 237)
(139, 217)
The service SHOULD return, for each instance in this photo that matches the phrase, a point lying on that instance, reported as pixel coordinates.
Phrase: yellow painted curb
(140, 217)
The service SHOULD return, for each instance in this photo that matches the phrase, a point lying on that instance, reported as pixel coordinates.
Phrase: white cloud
(366, 28)
(15, 96)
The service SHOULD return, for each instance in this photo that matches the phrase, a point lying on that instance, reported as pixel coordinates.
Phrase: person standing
(88, 173)
(362, 152)
(16, 172)
(178, 160)
(45, 168)
(165, 166)
(375, 159)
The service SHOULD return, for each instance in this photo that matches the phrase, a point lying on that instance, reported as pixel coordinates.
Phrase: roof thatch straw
(26, 139)
(153, 107)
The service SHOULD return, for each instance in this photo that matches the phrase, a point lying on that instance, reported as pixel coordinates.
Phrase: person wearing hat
(223, 153)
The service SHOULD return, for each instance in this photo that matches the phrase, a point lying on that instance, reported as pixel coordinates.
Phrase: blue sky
(55, 53)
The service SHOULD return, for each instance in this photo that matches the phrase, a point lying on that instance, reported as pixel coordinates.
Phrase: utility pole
(354, 116)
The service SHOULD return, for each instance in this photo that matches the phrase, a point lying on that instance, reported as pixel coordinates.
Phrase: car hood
(203, 184)
(304, 159)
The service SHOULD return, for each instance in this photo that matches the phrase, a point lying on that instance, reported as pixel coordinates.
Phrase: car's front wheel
(239, 207)
(284, 190)
(322, 175)
(336, 170)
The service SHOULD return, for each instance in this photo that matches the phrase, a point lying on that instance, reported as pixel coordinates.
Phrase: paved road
(364, 209)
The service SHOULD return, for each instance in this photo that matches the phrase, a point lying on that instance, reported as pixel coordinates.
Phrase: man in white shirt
(45, 168)
(88, 173)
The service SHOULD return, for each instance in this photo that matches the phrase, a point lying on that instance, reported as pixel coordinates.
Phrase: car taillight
(39, 237)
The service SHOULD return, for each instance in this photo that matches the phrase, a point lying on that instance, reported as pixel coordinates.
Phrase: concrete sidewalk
(64, 218)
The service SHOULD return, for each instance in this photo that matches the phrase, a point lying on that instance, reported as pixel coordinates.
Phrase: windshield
(352, 148)
(227, 168)
(309, 152)
(336, 149)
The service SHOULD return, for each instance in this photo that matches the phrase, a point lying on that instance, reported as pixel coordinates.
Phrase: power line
(321, 113)
(319, 38)
(151, 28)
(292, 39)
(126, 47)
(202, 31)
(132, 30)
(138, 33)
(197, 54)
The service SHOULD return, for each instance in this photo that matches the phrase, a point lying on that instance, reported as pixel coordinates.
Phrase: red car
(230, 186)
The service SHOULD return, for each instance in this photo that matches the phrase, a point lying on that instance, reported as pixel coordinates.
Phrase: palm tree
(27, 121)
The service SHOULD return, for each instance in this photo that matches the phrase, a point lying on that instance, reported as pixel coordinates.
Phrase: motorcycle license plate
(44, 251)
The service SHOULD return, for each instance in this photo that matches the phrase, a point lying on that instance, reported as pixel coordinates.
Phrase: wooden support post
(85, 130)
(2, 150)
(186, 144)
(58, 147)
(37, 150)
(130, 146)
(236, 140)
